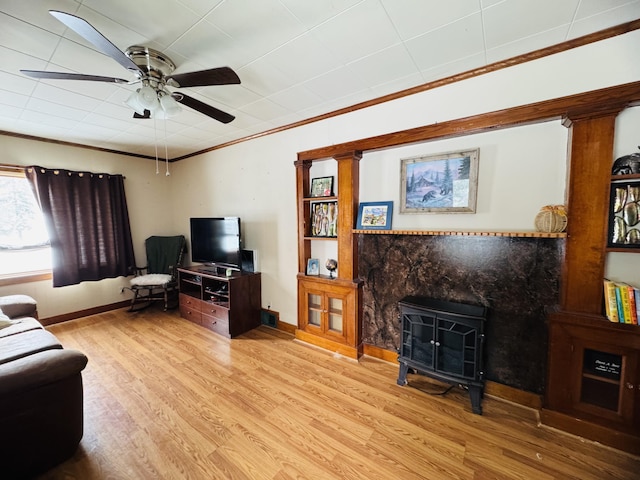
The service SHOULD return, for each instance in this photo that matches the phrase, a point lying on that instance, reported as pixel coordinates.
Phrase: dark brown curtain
(88, 224)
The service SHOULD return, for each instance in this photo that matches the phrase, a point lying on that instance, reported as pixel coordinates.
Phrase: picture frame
(313, 266)
(322, 187)
(374, 216)
(442, 183)
(324, 219)
(624, 216)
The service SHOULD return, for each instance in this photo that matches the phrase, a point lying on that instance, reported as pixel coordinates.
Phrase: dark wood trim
(84, 313)
(520, 59)
(72, 144)
(595, 101)
(286, 327)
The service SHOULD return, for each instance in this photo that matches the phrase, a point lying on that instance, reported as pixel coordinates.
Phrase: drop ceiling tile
(336, 84)
(257, 26)
(318, 11)
(159, 22)
(207, 45)
(200, 7)
(8, 115)
(426, 15)
(59, 121)
(28, 39)
(296, 98)
(264, 109)
(510, 20)
(593, 17)
(302, 58)
(449, 43)
(527, 44)
(59, 96)
(12, 99)
(347, 42)
(263, 78)
(385, 66)
(17, 83)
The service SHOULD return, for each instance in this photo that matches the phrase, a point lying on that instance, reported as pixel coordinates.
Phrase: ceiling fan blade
(89, 33)
(203, 78)
(203, 108)
(71, 76)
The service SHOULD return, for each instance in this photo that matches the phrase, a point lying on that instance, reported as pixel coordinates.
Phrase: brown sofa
(41, 397)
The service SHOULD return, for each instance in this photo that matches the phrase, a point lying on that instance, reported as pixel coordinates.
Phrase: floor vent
(269, 318)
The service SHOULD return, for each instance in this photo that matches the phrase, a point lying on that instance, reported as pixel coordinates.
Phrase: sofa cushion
(26, 343)
(19, 325)
(18, 306)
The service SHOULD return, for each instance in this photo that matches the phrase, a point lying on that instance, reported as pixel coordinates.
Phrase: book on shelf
(610, 303)
(622, 302)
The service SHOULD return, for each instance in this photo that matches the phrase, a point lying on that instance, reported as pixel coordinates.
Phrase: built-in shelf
(468, 233)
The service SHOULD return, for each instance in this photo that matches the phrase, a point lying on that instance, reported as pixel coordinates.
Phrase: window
(24, 243)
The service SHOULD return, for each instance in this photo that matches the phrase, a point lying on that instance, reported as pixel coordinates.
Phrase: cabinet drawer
(192, 303)
(218, 325)
(190, 308)
(216, 311)
(191, 314)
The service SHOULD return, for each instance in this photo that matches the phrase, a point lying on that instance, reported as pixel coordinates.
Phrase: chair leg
(166, 298)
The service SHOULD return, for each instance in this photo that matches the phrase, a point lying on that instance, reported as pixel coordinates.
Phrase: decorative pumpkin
(551, 219)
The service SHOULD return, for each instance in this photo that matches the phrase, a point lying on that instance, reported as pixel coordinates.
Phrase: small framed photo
(444, 183)
(313, 266)
(375, 216)
(324, 219)
(322, 187)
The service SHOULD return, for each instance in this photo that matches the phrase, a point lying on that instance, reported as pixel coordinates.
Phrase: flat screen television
(216, 241)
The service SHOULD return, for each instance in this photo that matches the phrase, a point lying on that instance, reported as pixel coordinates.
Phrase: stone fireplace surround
(517, 279)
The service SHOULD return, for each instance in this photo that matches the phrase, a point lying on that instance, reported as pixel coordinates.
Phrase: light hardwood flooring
(167, 399)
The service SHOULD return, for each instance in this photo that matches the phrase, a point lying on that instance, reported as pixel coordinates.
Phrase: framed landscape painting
(443, 183)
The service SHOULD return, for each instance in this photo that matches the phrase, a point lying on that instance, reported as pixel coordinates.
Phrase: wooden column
(348, 198)
(590, 157)
(302, 191)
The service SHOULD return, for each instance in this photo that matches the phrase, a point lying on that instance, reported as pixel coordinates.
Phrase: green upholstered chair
(157, 281)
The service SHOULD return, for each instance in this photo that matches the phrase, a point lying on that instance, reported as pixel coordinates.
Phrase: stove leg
(402, 376)
(476, 394)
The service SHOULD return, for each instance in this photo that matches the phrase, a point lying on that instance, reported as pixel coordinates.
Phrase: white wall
(148, 199)
(521, 169)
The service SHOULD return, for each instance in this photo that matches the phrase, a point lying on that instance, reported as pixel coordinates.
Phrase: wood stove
(443, 340)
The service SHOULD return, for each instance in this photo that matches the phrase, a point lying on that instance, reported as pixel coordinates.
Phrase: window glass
(24, 244)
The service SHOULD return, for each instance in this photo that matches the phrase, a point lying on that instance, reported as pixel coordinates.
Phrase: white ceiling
(296, 58)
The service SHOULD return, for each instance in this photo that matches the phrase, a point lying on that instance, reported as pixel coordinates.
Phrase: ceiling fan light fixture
(169, 106)
(134, 102)
(148, 97)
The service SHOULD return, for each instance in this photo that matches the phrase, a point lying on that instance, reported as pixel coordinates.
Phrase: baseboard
(83, 313)
(591, 431)
(287, 328)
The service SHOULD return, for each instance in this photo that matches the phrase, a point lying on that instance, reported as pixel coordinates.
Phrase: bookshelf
(593, 364)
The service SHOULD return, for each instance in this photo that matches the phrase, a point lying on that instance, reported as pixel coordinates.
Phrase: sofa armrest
(14, 306)
(41, 368)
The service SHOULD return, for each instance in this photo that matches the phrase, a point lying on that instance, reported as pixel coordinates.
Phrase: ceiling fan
(152, 69)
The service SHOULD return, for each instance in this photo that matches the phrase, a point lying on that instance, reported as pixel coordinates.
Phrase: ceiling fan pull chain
(166, 152)
(155, 132)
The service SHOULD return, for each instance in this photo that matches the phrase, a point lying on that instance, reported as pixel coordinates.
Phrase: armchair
(157, 281)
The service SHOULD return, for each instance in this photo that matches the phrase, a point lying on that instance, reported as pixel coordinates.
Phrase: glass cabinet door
(314, 309)
(335, 314)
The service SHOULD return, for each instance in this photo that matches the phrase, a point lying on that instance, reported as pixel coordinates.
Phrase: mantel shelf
(468, 233)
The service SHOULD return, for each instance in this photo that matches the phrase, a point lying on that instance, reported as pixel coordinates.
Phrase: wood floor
(166, 399)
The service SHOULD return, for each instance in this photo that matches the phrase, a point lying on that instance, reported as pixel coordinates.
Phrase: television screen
(216, 241)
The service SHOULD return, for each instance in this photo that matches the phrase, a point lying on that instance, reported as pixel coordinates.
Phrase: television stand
(227, 305)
